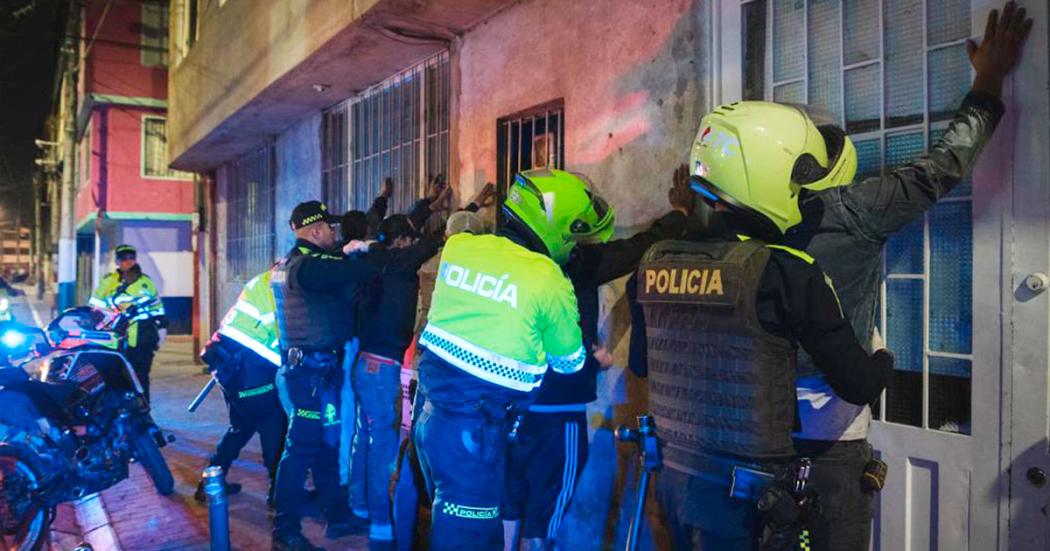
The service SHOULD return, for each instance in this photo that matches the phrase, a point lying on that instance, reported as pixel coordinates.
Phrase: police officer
(314, 289)
(723, 317)
(244, 355)
(502, 312)
(128, 287)
(845, 227)
(546, 460)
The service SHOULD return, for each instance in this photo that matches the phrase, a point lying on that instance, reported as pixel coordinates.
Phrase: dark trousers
(543, 467)
(462, 457)
(846, 508)
(377, 386)
(702, 515)
(310, 448)
(141, 360)
(260, 414)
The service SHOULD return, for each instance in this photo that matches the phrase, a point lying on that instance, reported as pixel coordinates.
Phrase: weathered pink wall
(632, 80)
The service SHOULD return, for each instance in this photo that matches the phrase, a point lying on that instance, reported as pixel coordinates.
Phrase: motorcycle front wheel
(148, 454)
(24, 525)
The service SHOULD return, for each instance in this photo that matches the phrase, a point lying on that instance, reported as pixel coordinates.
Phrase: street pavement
(143, 520)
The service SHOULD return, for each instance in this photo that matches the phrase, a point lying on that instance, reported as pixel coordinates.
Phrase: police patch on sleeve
(709, 283)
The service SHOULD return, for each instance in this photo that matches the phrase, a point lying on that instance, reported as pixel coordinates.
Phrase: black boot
(293, 542)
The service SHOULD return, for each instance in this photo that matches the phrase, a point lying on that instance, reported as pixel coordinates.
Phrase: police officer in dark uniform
(723, 317)
(314, 289)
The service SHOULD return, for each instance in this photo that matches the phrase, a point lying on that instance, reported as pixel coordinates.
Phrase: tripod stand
(649, 459)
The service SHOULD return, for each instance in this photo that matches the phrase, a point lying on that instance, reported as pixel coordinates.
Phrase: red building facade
(126, 192)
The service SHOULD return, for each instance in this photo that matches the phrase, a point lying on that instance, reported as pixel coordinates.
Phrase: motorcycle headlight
(12, 339)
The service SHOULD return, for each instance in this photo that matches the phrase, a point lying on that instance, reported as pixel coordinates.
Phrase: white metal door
(1025, 453)
(894, 71)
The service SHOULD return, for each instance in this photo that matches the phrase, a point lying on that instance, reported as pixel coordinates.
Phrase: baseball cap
(311, 212)
(464, 221)
(123, 251)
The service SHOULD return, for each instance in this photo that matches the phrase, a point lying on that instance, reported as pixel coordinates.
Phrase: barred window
(894, 72)
(532, 138)
(250, 233)
(155, 151)
(334, 153)
(397, 129)
(154, 42)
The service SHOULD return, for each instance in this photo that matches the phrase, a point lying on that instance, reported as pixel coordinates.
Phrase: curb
(94, 523)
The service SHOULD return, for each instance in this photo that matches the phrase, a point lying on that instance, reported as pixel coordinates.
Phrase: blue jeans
(377, 384)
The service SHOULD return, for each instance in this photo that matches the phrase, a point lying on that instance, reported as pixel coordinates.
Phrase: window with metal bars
(250, 234)
(154, 39)
(397, 129)
(334, 166)
(532, 138)
(155, 151)
(894, 71)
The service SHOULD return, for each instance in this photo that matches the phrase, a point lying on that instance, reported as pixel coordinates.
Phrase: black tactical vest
(310, 321)
(718, 382)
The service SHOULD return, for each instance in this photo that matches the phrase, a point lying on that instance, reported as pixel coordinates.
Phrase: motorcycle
(72, 431)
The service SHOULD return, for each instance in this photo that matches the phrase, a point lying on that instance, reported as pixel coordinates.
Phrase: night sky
(29, 38)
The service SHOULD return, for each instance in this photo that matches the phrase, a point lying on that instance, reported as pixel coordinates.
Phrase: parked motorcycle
(74, 430)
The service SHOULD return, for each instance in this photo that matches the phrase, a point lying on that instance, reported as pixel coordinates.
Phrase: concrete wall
(223, 71)
(631, 77)
(298, 174)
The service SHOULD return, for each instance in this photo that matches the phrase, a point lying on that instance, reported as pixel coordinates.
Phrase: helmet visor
(601, 217)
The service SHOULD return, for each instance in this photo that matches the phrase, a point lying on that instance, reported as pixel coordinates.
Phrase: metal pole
(67, 275)
(38, 233)
(639, 510)
(218, 513)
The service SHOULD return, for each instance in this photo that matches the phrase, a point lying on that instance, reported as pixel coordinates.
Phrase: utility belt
(779, 489)
(312, 359)
(321, 367)
(499, 419)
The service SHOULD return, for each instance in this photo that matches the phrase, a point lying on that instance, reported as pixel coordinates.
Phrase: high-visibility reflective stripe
(483, 364)
(254, 313)
(567, 364)
(97, 303)
(251, 344)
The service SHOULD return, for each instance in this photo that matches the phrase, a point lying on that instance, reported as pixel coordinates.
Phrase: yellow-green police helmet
(756, 157)
(559, 209)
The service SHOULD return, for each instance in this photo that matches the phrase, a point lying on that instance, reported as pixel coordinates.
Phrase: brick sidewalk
(144, 520)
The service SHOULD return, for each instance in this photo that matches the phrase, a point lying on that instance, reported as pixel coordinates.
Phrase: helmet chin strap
(518, 232)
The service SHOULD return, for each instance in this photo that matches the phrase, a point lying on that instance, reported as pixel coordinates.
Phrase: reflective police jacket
(117, 292)
(502, 313)
(722, 321)
(252, 323)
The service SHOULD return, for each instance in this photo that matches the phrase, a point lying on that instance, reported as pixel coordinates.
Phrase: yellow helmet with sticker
(756, 157)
